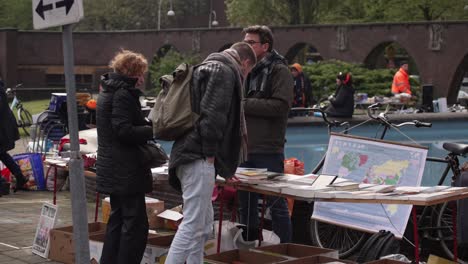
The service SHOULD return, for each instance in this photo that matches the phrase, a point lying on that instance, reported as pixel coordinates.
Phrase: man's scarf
(234, 58)
(258, 77)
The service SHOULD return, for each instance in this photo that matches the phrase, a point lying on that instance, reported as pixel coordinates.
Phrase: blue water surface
(309, 142)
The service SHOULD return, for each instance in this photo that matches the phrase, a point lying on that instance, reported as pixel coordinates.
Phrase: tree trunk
(294, 11)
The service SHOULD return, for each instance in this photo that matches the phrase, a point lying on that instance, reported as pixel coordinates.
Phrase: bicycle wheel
(25, 119)
(445, 233)
(347, 241)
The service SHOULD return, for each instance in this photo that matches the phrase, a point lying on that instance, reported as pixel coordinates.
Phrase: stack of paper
(344, 186)
(381, 188)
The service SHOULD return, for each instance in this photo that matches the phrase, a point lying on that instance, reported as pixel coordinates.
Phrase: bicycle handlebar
(421, 124)
(382, 118)
(333, 123)
(373, 107)
(13, 90)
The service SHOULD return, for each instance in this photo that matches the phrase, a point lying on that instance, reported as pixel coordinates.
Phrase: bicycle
(24, 117)
(435, 221)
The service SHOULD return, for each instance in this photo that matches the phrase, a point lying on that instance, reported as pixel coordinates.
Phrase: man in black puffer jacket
(121, 127)
(216, 145)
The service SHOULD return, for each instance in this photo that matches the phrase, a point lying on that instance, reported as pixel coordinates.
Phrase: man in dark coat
(269, 94)
(8, 135)
(342, 102)
(121, 128)
(216, 145)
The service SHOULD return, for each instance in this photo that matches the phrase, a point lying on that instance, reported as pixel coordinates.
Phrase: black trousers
(11, 165)
(127, 230)
(300, 218)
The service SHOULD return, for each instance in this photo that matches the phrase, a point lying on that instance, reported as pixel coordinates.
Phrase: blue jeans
(197, 180)
(248, 201)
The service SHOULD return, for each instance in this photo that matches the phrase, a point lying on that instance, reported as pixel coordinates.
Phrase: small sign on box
(171, 219)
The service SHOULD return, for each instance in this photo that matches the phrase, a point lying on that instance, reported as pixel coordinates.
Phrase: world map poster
(371, 161)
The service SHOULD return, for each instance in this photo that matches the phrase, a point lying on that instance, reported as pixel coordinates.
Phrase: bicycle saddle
(457, 148)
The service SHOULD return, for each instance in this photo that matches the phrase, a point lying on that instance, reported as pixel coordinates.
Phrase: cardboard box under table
(156, 250)
(243, 256)
(298, 251)
(61, 241)
(385, 261)
(317, 259)
(153, 208)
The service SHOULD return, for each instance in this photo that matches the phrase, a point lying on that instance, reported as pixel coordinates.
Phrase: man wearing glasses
(268, 98)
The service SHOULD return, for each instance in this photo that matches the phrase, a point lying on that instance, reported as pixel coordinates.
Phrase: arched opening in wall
(303, 53)
(458, 91)
(225, 46)
(157, 68)
(165, 61)
(164, 50)
(389, 55)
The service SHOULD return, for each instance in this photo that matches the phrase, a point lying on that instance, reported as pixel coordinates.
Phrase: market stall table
(403, 199)
(55, 164)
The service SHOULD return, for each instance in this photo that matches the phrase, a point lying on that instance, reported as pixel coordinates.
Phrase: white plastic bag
(231, 238)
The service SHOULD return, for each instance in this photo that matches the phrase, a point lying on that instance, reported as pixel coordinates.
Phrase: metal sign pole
(77, 184)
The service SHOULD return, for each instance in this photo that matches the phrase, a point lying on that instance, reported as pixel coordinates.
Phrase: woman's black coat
(342, 105)
(121, 127)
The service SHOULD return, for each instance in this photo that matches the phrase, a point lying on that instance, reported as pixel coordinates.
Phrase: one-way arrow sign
(41, 8)
(50, 13)
(65, 3)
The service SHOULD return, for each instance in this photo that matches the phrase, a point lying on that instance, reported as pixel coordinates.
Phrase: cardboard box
(386, 261)
(157, 249)
(61, 241)
(317, 259)
(242, 256)
(299, 251)
(96, 243)
(155, 252)
(433, 259)
(153, 208)
(171, 219)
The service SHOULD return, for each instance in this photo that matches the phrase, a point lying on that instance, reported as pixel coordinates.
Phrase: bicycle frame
(14, 103)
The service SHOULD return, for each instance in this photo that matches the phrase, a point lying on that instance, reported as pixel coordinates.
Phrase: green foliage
(138, 14)
(166, 65)
(376, 82)
(16, 14)
(271, 12)
(143, 14)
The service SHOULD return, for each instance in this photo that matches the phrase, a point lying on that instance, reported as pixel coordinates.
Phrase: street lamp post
(212, 19)
(169, 13)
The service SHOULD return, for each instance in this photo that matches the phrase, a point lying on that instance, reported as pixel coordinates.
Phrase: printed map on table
(377, 162)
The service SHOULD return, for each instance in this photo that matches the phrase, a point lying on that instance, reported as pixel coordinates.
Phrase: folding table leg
(262, 219)
(97, 208)
(220, 225)
(55, 184)
(416, 235)
(55, 181)
(454, 223)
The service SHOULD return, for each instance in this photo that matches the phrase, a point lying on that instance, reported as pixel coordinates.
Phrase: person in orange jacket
(401, 80)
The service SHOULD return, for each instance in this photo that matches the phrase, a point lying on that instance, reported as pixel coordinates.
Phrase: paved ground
(19, 215)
